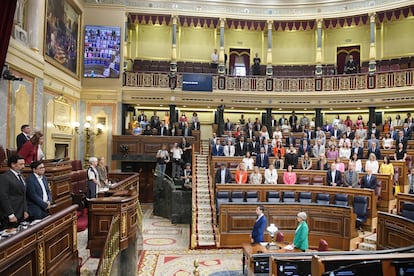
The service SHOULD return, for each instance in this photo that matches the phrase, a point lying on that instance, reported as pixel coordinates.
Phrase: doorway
(342, 56)
(239, 64)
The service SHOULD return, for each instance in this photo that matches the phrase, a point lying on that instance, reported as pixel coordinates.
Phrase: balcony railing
(380, 80)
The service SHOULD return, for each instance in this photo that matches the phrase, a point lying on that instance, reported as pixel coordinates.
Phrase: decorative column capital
(319, 22)
(269, 24)
(222, 21)
(372, 17)
(174, 18)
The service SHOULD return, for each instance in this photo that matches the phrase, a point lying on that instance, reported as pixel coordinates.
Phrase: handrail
(111, 249)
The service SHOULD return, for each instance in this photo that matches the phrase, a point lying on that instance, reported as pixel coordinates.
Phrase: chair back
(288, 196)
(304, 180)
(273, 196)
(408, 210)
(341, 200)
(280, 237)
(361, 208)
(317, 180)
(322, 199)
(237, 196)
(305, 197)
(252, 196)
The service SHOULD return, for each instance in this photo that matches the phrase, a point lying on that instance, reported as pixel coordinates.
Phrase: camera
(7, 75)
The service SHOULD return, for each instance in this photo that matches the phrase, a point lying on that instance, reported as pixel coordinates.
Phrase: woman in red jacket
(31, 150)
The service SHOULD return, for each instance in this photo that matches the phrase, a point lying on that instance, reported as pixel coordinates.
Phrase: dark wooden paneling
(394, 231)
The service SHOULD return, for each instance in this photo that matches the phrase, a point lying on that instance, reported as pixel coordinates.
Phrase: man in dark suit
(217, 149)
(186, 131)
(241, 147)
(13, 204)
(195, 125)
(407, 131)
(262, 159)
(254, 146)
(38, 193)
(293, 119)
(375, 150)
(259, 227)
(350, 134)
(369, 180)
(228, 126)
(23, 137)
(358, 150)
(290, 140)
(155, 120)
(333, 176)
(374, 131)
(250, 132)
(141, 117)
(163, 130)
(401, 139)
(336, 132)
(223, 175)
(305, 147)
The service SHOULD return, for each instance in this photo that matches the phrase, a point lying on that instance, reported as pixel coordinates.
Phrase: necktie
(21, 180)
(368, 178)
(262, 160)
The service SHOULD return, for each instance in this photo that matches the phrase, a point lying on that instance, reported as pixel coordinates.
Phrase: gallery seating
(305, 197)
(273, 196)
(341, 199)
(408, 210)
(322, 199)
(252, 196)
(237, 196)
(289, 197)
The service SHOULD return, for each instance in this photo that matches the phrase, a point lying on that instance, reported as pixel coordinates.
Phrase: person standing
(351, 177)
(13, 203)
(102, 172)
(256, 65)
(177, 160)
(369, 180)
(162, 159)
(38, 193)
(411, 181)
(214, 59)
(32, 150)
(23, 137)
(93, 177)
(259, 227)
(351, 66)
(300, 239)
(187, 177)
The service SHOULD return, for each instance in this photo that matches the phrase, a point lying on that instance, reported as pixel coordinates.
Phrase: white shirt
(373, 165)
(270, 176)
(177, 152)
(358, 165)
(214, 58)
(345, 153)
(229, 150)
(42, 186)
(248, 163)
(223, 176)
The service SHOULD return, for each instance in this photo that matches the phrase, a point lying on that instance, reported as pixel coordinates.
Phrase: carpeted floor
(166, 251)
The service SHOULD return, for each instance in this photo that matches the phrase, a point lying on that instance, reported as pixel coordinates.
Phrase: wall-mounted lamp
(88, 132)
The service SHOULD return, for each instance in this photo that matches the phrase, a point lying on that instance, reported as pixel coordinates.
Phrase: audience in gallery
(177, 160)
(332, 153)
(369, 180)
(356, 162)
(291, 157)
(262, 159)
(270, 175)
(241, 147)
(241, 174)
(397, 121)
(387, 141)
(340, 166)
(400, 153)
(372, 164)
(318, 149)
(278, 163)
(289, 176)
(333, 176)
(371, 140)
(387, 167)
(357, 149)
(228, 149)
(332, 142)
(375, 150)
(351, 177)
(322, 163)
(345, 151)
(248, 161)
(306, 162)
(255, 176)
(278, 149)
(401, 139)
(148, 130)
(223, 175)
(344, 140)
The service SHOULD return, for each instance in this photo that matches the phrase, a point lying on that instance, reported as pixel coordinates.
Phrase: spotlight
(7, 75)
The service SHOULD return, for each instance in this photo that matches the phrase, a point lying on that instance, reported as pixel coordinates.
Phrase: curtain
(6, 25)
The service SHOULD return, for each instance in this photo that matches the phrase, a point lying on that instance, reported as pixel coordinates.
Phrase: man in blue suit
(262, 159)
(217, 149)
(38, 193)
(369, 180)
(259, 226)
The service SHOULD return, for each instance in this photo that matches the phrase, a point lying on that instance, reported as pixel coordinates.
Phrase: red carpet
(82, 220)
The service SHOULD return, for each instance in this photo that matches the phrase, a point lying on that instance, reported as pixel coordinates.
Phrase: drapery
(6, 24)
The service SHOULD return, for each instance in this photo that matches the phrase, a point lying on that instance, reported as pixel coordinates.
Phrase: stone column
(35, 24)
(318, 117)
(372, 44)
(173, 115)
(220, 120)
(269, 58)
(173, 62)
(268, 122)
(372, 116)
(222, 64)
(318, 69)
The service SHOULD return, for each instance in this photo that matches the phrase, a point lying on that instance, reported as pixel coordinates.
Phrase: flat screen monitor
(102, 52)
(197, 82)
(293, 267)
(354, 268)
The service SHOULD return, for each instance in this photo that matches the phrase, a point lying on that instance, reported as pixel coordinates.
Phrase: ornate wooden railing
(380, 80)
(111, 248)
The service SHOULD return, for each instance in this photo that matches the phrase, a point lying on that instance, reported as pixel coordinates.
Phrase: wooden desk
(47, 248)
(394, 231)
(401, 199)
(101, 211)
(236, 222)
(250, 249)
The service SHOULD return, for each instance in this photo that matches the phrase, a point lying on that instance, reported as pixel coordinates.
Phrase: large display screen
(102, 52)
(197, 82)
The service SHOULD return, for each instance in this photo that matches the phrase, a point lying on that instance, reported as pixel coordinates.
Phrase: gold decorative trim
(41, 258)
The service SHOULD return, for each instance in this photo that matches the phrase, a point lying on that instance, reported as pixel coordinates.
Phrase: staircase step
(372, 239)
